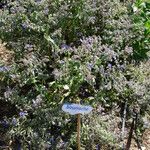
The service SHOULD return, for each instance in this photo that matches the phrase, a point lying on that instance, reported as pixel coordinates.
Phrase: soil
(6, 56)
(146, 139)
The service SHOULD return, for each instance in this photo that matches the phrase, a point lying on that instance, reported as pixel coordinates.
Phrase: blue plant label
(76, 108)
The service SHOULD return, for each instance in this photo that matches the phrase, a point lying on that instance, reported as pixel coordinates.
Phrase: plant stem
(123, 123)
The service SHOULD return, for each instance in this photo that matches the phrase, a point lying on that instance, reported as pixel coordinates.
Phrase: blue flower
(97, 147)
(62, 62)
(4, 69)
(65, 46)
(24, 25)
(28, 46)
(38, 1)
(4, 123)
(121, 67)
(22, 114)
(14, 121)
(46, 11)
(109, 65)
(90, 66)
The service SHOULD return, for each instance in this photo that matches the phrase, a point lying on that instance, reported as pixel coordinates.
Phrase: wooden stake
(78, 131)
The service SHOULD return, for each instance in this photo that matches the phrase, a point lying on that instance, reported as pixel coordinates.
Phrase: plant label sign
(74, 109)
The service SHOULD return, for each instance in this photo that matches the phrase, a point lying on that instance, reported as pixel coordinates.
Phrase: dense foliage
(95, 51)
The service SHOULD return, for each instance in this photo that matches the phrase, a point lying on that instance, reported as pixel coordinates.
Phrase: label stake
(77, 109)
(78, 131)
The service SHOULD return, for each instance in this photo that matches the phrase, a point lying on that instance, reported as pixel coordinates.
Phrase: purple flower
(4, 69)
(22, 114)
(121, 67)
(14, 121)
(89, 66)
(46, 11)
(97, 147)
(4, 123)
(51, 139)
(28, 46)
(109, 65)
(62, 62)
(38, 1)
(24, 25)
(65, 46)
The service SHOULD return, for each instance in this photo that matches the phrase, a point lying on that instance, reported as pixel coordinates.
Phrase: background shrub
(64, 51)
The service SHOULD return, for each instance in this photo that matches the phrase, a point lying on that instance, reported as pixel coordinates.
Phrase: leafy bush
(64, 51)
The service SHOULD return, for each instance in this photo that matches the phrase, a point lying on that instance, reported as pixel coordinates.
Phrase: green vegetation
(99, 50)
